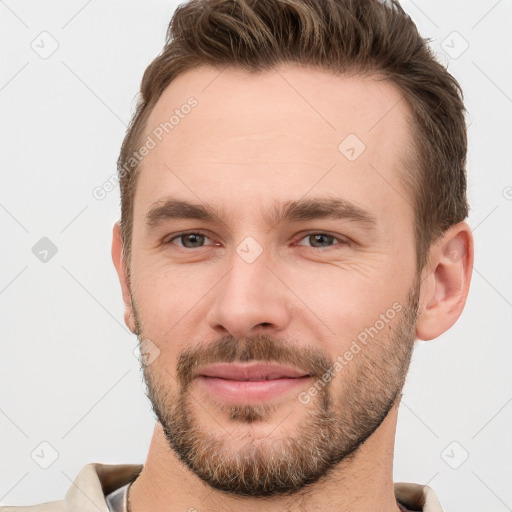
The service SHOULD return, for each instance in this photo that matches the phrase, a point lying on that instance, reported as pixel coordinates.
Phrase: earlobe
(119, 264)
(445, 283)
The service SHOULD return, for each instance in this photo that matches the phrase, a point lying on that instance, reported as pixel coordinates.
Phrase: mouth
(253, 382)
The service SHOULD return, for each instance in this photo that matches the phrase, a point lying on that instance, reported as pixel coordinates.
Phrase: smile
(243, 383)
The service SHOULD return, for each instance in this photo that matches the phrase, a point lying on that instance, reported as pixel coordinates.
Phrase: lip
(250, 372)
(249, 383)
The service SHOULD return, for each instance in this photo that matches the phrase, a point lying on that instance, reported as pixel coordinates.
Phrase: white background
(68, 375)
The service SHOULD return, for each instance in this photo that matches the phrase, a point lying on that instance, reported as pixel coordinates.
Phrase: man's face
(260, 280)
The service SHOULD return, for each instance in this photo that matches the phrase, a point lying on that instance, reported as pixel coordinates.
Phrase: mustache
(261, 348)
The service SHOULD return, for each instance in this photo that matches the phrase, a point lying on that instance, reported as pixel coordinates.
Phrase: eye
(195, 239)
(322, 240)
(189, 240)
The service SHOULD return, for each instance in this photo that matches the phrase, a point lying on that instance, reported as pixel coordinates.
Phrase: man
(293, 201)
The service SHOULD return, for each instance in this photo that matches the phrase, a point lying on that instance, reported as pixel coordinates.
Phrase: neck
(363, 483)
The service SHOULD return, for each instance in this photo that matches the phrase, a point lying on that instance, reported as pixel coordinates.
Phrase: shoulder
(417, 497)
(87, 493)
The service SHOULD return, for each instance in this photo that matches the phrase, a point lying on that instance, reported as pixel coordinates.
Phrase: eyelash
(342, 240)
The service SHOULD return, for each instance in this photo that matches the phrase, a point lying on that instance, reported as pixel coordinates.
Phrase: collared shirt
(102, 487)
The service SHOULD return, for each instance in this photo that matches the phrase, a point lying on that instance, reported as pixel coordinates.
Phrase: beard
(329, 432)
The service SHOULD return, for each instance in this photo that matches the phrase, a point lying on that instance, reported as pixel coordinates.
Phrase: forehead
(276, 133)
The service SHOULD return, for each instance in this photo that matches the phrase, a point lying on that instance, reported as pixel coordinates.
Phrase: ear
(119, 263)
(445, 282)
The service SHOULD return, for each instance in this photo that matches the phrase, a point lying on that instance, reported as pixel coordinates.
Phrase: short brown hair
(341, 36)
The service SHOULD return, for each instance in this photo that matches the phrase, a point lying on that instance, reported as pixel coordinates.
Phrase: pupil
(195, 239)
(318, 238)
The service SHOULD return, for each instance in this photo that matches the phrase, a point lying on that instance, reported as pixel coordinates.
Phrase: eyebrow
(290, 211)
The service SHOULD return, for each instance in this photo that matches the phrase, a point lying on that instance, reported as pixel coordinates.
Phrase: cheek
(161, 288)
(165, 365)
(163, 296)
(347, 298)
(368, 353)
(359, 326)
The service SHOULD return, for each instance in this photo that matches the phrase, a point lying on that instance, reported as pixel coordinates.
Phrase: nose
(249, 300)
